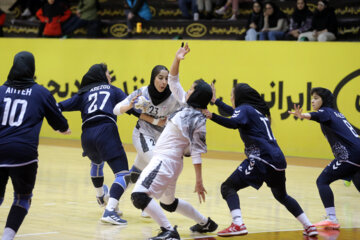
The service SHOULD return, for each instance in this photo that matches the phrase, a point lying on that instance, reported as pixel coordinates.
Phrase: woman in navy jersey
(100, 140)
(23, 106)
(265, 161)
(345, 144)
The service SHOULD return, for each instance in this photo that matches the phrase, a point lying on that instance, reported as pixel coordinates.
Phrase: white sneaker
(26, 13)
(233, 18)
(220, 11)
(145, 215)
(196, 16)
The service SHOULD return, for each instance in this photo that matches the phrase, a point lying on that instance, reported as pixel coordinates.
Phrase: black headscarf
(326, 96)
(201, 96)
(300, 16)
(156, 96)
(22, 72)
(53, 10)
(257, 18)
(94, 77)
(277, 14)
(244, 94)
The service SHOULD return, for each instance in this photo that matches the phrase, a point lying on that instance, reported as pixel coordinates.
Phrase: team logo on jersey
(236, 113)
(336, 165)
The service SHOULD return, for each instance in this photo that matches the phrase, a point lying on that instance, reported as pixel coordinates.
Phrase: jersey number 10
(10, 112)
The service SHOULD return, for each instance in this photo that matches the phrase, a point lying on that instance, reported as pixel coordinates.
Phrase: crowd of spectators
(266, 21)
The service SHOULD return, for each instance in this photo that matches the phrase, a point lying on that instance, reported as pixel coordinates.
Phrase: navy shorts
(23, 178)
(340, 170)
(255, 173)
(101, 143)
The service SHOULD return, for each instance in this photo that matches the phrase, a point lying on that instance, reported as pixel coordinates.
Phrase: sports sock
(112, 203)
(99, 191)
(189, 211)
(236, 217)
(304, 220)
(8, 234)
(330, 212)
(156, 213)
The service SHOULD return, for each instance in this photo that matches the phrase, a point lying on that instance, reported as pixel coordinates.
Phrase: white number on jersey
(93, 97)
(351, 128)
(10, 112)
(266, 122)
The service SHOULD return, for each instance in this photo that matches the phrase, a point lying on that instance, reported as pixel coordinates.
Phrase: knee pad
(97, 170)
(22, 200)
(134, 174)
(123, 179)
(140, 200)
(226, 190)
(171, 207)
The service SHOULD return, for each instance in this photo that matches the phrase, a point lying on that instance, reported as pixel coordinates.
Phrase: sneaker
(210, 226)
(347, 183)
(113, 218)
(167, 234)
(233, 230)
(328, 224)
(233, 18)
(220, 11)
(102, 201)
(145, 215)
(310, 231)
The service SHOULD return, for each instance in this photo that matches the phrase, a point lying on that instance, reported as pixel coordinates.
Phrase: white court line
(35, 234)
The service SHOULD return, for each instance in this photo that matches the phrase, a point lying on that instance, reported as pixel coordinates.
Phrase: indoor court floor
(64, 204)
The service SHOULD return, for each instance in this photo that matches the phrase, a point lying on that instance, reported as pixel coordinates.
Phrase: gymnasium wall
(284, 72)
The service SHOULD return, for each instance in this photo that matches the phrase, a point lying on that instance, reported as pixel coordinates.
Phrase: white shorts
(144, 145)
(159, 178)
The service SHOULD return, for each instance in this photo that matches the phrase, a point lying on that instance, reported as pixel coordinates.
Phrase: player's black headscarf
(22, 72)
(94, 77)
(244, 94)
(201, 96)
(156, 96)
(326, 96)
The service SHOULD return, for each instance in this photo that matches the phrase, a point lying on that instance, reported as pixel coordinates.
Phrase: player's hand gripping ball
(142, 103)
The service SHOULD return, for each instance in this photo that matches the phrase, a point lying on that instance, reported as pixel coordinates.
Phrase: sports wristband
(155, 121)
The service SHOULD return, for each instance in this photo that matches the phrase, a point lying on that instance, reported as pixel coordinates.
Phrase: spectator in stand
(275, 23)
(300, 21)
(2, 21)
(235, 8)
(53, 14)
(255, 22)
(324, 24)
(86, 16)
(205, 8)
(184, 6)
(139, 12)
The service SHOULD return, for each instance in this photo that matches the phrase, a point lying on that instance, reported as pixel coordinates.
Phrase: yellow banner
(284, 72)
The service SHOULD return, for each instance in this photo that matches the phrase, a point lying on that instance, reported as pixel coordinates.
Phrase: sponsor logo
(118, 30)
(196, 30)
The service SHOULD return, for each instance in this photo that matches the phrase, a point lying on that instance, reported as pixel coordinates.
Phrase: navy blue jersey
(255, 132)
(21, 116)
(98, 102)
(342, 137)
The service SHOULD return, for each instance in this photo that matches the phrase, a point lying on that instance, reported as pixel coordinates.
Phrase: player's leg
(144, 146)
(119, 166)
(171, 204)
(97, 178)
(334, 171)
(4, 176)
(356, 180)
(23, 179)
(276, 181)
(153, 181)
(229, 189)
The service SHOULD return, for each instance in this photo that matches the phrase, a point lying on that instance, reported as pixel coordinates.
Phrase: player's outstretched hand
(207, 113)
(297, 111)
(200, 190)
(180, 54)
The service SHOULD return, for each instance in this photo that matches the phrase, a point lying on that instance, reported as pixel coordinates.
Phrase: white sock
(189, 211)
(99, 191)
(112, 203)
(8, 234)
(236, 217)
(155, 211)
(330, 212)
(304, 220)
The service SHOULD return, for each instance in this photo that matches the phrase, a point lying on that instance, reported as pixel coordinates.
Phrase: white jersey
(161, 110)
(185, 134)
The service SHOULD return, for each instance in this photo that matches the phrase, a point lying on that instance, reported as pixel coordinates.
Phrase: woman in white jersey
(184, 134)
